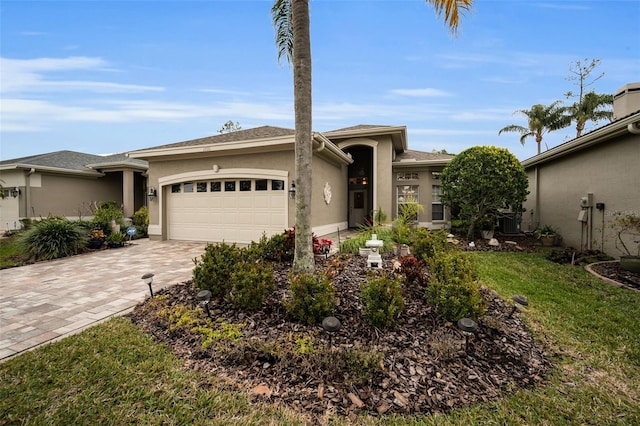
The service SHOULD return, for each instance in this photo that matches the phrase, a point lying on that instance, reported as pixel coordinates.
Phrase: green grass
(114, 374)
(11, 252)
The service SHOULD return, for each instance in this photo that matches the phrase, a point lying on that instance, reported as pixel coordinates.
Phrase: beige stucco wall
(323, 215)
(610, 171)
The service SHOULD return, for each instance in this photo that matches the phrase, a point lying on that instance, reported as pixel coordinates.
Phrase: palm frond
(452, 11)
(282, 22)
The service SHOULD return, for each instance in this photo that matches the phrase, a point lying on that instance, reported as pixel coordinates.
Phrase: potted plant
(116, 239)
(96, 238)
(487, 226)
(627, 230)
(547, 235)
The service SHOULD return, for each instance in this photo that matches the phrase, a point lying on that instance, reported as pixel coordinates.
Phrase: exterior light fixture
(152, 193)
(15, 192)
(518, 301)
(204, 297)
(292, 190)
(331, 325)
(148, 280)
(468, 327)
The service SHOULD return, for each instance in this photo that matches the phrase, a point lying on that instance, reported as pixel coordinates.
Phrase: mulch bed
(425, 367)
(613, 271)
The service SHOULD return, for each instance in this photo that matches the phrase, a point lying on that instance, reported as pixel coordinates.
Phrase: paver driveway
(49, 300)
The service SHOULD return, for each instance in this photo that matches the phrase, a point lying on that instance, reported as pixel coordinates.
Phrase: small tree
(229, 127)
(482, 179)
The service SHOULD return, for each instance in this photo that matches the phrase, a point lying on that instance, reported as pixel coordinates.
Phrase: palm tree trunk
(303, 257)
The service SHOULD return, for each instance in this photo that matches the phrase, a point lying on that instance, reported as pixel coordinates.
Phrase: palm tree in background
(541, 119)
(592, 107)
(291, 22)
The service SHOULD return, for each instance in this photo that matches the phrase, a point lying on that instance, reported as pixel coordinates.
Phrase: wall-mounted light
(292, 190)
(15, 192)
(152, 194)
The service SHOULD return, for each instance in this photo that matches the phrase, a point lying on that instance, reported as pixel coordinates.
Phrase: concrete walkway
(46, 301)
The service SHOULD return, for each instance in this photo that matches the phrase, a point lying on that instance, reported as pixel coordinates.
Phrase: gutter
(630, 124)
(33, 169)
(331, 148)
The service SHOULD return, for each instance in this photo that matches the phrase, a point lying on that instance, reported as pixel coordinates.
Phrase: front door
(357, 207)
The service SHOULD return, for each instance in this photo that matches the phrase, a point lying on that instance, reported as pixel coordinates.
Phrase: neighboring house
(236, 186)
(578, 186)
(68, 183)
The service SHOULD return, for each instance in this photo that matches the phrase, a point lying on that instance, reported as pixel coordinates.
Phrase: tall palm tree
(541, 119)
(591, 107)
(291, 22)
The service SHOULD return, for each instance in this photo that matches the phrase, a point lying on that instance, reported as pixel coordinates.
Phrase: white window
(437, 209)
(407, 197)
(407, 176)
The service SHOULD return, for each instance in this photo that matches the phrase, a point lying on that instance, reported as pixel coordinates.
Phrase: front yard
(115, 374)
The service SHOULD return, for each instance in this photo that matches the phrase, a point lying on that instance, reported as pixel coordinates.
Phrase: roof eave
(436, 162)
(593, 138)
(330, 151)
(398, 135)
(36, 168)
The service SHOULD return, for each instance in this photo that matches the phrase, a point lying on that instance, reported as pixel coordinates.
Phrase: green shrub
(106, 212)
(141, 222)
(382, 301)
(251, 283)
(429, 244)
(453, 289)
(53, 238)
(312, 297)
(213, 271)
(277, 248)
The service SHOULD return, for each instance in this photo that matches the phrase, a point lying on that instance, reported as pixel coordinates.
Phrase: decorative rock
(493, 242)
(355, 400)
(262, 390)
(472, 244)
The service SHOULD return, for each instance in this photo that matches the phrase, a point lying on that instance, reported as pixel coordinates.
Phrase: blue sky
(113, 76)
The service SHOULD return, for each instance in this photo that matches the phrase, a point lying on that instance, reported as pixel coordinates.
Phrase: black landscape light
(292, 190)
(331, 325)
(148, 280)
(468, 327)
(518, 301)
(204, 297)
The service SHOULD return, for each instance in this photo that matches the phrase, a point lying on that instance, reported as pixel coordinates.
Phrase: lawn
(113, 374)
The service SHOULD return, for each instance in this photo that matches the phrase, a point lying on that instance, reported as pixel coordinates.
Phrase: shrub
(213, 271)
(413, 270)
(382, 301)
(106, 212)
(453, 289)
(251, 283)
(275, 248)
(429, 244)
(53, 238)
(141, 222)
(312, 297)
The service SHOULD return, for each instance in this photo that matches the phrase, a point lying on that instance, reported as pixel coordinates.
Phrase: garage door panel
(234, 216)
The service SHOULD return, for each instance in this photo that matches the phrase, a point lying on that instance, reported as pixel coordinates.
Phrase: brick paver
(46, 301)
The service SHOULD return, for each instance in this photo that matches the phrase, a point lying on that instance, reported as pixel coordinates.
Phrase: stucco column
(127, 193)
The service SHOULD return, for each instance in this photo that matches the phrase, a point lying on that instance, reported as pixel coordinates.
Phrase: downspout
(27, 192)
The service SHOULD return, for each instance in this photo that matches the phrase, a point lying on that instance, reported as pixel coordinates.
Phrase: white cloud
(30, 75)
(427, 92)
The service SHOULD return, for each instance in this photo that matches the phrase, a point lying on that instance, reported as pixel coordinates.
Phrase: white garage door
(230, 210)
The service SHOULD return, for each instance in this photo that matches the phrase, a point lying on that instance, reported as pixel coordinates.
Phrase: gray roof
(263, 132)
(411, 154)
(75, 161)
(358, 127)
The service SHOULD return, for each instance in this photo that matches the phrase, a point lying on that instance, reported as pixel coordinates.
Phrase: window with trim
(277, 185)
(245, 185)
(176, 188)
(188, 187)
(201, 187)
(261, 185)
(437, 209)
(216, 186)
(407, 176)
(230, 186)
(407, 197)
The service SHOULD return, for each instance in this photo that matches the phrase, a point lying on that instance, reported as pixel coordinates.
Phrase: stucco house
(236, 186)
(67, 183)
(578, 186)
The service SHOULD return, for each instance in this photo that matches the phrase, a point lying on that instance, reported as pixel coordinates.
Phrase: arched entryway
(361, 184)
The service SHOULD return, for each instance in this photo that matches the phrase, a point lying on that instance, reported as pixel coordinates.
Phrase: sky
(112, 76)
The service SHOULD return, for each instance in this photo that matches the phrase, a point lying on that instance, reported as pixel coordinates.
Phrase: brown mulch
(613, 271)
(424, 365)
